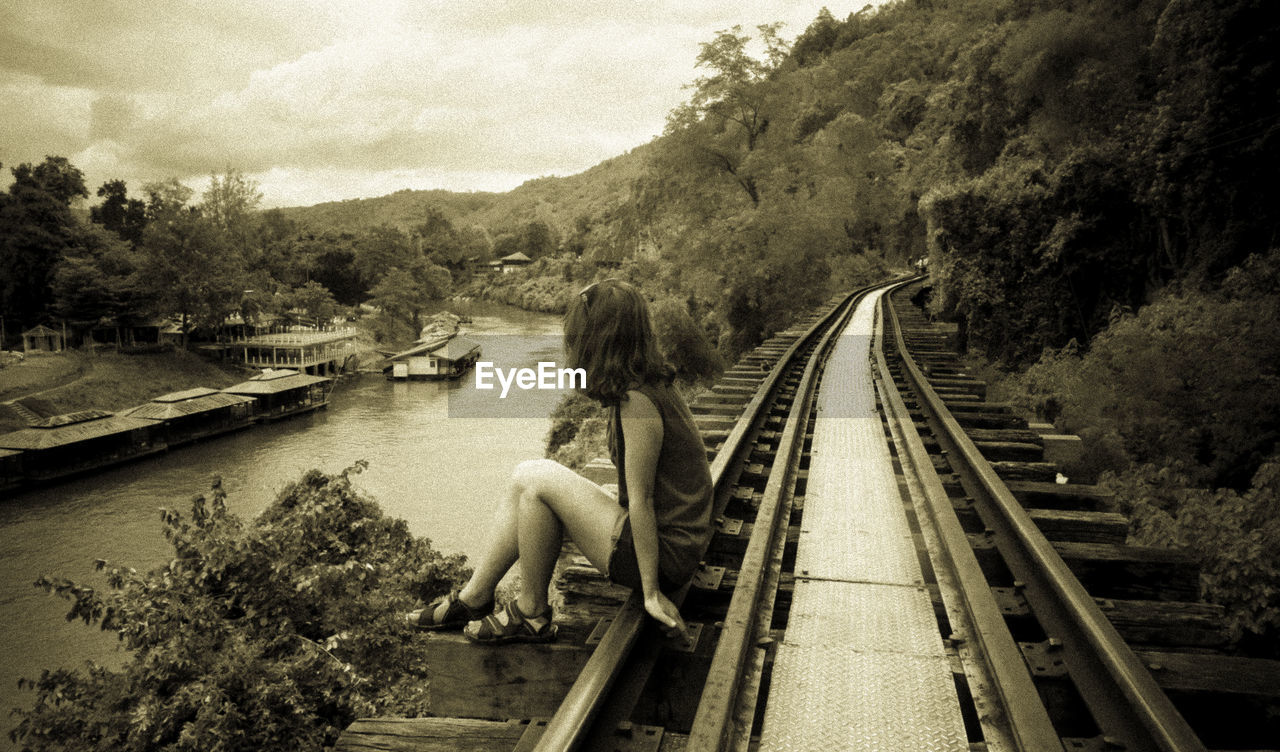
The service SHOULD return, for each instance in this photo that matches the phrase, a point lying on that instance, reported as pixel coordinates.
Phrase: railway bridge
(898, 565)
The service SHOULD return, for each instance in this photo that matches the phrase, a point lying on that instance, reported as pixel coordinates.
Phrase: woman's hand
(661, 608)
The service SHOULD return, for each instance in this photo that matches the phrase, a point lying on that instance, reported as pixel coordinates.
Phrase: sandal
(510, 625)
(456, 614)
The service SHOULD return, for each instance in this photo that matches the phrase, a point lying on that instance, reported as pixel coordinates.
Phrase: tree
(186, 261)
(230, 203)
(315, 301)
(122, 215)
(721, 125)
(94, 283)
(36, 227)
(403, 296)
(270, 634)
(332, 260)
(381, 248)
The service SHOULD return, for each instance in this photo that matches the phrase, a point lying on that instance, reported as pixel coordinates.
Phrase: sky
(321, 100)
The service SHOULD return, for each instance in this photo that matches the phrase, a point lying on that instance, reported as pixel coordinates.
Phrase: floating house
(284, 392)
(438, 359)
(196, 413)
(68, 444)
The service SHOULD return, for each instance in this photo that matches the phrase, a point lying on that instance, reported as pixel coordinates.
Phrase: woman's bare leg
(501, 553)
(556, 500)
(546, 500)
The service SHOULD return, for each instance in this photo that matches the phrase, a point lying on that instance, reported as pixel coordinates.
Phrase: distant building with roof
(42, 339)
(320, 352)
(512, 262)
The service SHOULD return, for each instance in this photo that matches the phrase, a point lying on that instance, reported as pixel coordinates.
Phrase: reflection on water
(439, 473)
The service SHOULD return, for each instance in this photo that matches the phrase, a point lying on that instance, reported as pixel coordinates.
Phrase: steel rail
(720, 695)
(1028, 723)
(571, 725)
(1126, 702)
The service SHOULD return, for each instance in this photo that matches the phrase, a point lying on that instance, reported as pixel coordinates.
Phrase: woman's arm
(642, 439)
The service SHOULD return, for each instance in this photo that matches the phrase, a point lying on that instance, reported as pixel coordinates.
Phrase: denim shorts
(624, 568)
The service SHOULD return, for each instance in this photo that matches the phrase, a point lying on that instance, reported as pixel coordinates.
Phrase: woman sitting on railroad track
(651, 537)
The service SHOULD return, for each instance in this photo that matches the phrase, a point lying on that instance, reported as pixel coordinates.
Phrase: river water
(432, 461)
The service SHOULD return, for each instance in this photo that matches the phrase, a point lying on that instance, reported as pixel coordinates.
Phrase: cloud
(350, 97)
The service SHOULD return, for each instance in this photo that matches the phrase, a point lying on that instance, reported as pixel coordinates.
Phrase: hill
(584, 207)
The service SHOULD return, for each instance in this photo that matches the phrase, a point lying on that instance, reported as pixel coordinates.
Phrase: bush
(1235, 536)
(568, 419)
(1193, 378)
(274, 634)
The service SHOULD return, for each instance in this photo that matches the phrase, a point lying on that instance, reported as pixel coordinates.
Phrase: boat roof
(48, 437)
(167, 409)
(458, 347)
(275, 381)
(452, 349)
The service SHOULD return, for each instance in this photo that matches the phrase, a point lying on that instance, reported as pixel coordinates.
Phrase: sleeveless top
(682, 492)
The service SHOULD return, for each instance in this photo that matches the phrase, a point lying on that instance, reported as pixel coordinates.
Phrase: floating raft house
(438, 359)
(283, 392)
(71, 443)
(196, 413)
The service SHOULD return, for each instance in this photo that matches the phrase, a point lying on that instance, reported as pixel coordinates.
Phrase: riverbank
(57, 383)
(435, 460)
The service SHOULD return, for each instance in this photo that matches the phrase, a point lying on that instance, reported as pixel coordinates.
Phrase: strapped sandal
(456, 614)
(510, 625)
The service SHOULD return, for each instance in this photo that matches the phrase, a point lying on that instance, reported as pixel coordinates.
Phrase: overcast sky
(325, 99)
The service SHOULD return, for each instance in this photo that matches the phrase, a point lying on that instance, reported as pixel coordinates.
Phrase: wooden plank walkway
(862, 665)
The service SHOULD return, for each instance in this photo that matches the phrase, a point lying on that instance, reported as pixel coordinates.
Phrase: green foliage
(1234, 534)
(122, 215)
(683, 343)
(1179, 409)
(36, 226)
(1193, 378)
(187, 262)
(577, 424)
(271, 634)
(403, 296)
(96, 280)
(545, 285)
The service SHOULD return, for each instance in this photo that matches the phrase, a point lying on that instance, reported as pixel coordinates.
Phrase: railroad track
(1079, 640)
(1036, 662)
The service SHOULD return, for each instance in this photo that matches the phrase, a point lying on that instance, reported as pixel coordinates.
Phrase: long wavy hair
(607, 333)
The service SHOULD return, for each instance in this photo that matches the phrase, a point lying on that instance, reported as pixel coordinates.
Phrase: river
(433, 461)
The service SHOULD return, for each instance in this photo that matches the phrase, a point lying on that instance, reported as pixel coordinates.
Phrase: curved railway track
(1036, 596)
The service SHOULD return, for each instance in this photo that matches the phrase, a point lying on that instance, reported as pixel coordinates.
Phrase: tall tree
(403, 295)
(36, 227)
(722, 123)
(122, 215)
(230, 203)
(95, 282)
(187, 262)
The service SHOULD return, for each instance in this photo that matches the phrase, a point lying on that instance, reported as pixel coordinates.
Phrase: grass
(66, 382)
(39, 371)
